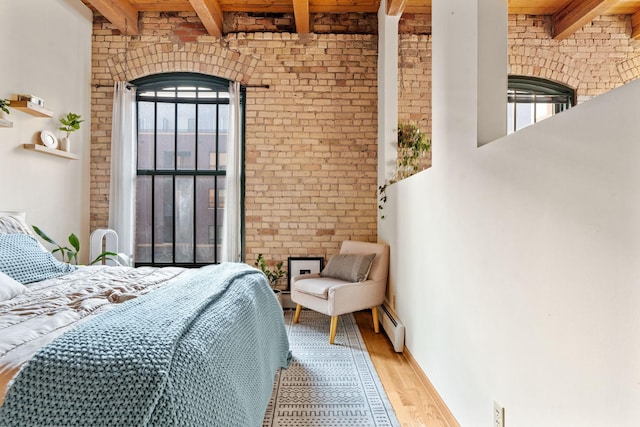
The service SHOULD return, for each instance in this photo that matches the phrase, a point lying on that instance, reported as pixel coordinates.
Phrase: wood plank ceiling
(567, 16)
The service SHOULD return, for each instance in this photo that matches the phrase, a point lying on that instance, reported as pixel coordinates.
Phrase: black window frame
(534, 90)
(155, 83)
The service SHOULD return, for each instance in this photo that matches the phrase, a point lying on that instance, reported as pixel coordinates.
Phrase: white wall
(516, 270)
(45, 48)
(387, 93)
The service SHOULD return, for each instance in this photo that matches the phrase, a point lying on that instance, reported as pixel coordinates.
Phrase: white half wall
(517, 275)
(46, 51)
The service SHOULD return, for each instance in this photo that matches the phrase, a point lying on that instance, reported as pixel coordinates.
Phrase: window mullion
(173, 179)
(215, 221)
(153, 219)
(195, 182)
(153, 182)
(174, 222)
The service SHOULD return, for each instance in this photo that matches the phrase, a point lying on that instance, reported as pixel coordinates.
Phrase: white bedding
(48, 308)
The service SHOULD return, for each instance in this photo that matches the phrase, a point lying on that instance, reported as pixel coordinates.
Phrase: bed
(100, 345)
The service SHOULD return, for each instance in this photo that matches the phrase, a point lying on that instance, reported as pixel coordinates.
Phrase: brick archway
(629, 69)
(163, 56)
(190, 57)
(547, 64)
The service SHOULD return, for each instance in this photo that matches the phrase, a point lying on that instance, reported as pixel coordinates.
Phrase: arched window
(531, 99)
(183, 129)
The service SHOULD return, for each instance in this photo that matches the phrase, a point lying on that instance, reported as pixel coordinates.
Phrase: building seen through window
(531, 99)
(183, 124)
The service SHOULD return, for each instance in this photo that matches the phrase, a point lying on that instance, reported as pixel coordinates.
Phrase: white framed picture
(303, 265)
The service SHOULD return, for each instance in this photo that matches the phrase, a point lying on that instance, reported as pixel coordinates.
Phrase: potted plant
(413, 145)
(4, 105)
(272, 275)
(70, 123)
(71, 254)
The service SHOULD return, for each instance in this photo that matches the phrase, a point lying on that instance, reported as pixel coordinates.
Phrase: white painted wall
(515, 267)
(387, 93)
(493, 28)
(45, 50)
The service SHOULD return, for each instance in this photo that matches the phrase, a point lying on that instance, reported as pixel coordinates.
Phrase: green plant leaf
(4, 104)
(43, 235)
(73, 240)
(104, 256)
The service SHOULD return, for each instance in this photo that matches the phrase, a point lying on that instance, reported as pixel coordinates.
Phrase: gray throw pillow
(349, 267)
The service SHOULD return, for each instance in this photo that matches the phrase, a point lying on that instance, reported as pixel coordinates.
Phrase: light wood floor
(411, 399)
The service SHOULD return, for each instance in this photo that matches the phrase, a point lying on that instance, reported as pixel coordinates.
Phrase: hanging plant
(382, 197)
(4, 105)
(413, 145)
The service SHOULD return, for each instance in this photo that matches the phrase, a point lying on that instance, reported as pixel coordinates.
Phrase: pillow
(18, 214)
(9, 288)
(349, 267)
(13, 225)
(22, 259)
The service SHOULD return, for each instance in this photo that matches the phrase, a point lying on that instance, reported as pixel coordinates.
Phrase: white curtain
(231, 248)
(123, 168)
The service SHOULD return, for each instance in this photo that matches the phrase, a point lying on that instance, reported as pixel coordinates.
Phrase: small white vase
(65, 144)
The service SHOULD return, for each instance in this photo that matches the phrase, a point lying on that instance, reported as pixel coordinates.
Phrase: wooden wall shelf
(5, 123)
(31, 108)
(51, 151)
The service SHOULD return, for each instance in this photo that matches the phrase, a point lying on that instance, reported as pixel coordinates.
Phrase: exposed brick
(311, 137)
(293, 203)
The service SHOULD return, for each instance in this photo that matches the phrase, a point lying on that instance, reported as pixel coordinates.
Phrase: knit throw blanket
(200, 352)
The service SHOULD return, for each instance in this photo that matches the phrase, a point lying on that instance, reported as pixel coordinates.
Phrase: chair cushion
(317, 287)
(349, 267)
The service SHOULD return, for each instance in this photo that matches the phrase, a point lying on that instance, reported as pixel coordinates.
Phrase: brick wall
(414, 82)
(311, 137)
(593, 61)
(592, 68)
(311, 153)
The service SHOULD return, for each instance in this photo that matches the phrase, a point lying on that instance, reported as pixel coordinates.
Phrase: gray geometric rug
(327, 385)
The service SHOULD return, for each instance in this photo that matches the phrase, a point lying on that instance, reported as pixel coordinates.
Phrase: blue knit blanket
(200, 352)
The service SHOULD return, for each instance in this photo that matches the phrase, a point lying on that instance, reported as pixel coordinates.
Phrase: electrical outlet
(498, 415)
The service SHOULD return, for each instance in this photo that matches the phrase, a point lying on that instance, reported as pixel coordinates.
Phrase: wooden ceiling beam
(120, 13)
(301, 14)
(635, 25)
(576, 14)
(210, 13)
(396, 7)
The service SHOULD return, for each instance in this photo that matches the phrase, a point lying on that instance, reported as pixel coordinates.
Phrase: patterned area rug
(327, 385)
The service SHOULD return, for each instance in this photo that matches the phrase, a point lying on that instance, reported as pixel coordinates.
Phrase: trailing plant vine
(413, 145)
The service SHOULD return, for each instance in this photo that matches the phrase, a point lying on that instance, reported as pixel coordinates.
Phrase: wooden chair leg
(334, 328)
(296, 317)
(376, 325)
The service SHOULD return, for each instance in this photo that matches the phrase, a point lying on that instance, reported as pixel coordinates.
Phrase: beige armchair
(334, 297)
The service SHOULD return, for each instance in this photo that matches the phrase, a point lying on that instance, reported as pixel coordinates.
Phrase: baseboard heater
(392, 326)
